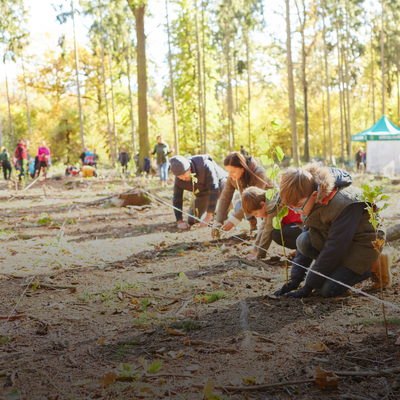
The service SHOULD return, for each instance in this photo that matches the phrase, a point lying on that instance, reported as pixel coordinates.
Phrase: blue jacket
(209, 176)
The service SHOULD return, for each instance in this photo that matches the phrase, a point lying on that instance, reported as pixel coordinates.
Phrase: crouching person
(337, 234)
(255, 203)
(207, 187)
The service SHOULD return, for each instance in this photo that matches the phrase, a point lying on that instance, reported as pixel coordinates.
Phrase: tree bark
(77, 79)
(248, 89)
(349, 143)
(9, 108)
(128, 62)
(327, 82)
(340, 94)
(171, 78)
(323, 112)
(139, 13)
(28, 111)
(236, 79)
(1, 134)
(199, 78)
(372, 80)
(292, 107)
(204, 82)
(113, 100)
(105, 89)
(383, 61)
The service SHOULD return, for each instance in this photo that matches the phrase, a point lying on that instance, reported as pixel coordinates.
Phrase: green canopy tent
(382, 147)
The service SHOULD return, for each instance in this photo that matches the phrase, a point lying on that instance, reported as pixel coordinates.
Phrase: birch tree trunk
(128, 62)
(28, 111)
(77, 78)
(9, 108)
(349, 143)
(204, 82)
(292, 109)
(383, 61)
(248, 89)
(199, 78)
(373, 80)
(171, 78)
(340, 94)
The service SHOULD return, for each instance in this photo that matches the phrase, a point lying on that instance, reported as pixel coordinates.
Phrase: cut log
(134, 199)
(393, 232)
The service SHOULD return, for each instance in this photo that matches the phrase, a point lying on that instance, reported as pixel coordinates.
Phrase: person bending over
(210, 181)
(243, 172)
(255, 203)
(337, 234)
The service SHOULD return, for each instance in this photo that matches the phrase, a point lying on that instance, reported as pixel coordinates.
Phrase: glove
(292, 285)
(299, 294)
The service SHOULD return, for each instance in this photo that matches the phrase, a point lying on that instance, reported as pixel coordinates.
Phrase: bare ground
(141, 293)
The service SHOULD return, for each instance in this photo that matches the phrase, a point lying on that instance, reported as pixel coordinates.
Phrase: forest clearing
(120, 304)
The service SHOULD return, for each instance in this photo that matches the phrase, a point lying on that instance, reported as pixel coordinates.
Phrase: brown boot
(253, 224)
(386, 263)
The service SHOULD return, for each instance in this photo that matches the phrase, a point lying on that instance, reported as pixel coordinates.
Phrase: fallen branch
(92, 203)
(149, 296)
(132, 378)
(220, 350)
(261, 387)
(13, 317)
(369, 373)
(263, 338)
(54, 287)
(265, 278)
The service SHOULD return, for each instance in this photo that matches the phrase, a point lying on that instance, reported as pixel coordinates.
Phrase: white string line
(42, 262)
(281, 257)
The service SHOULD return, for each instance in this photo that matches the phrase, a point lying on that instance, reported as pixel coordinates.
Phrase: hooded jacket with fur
(334, 196)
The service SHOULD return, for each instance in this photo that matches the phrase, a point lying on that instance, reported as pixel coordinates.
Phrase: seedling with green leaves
(272, 173)
(371, 196)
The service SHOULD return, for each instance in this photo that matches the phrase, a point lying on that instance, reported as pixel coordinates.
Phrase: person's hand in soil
(253, 255)
(183, 225)
(300, 294)
(227, 226)
(286, 288)
(206, 221)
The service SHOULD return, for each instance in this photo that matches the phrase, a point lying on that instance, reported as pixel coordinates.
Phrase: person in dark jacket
(5, 163)
(337, 231)
(162, 151)
(205, 179)
(123, 159)
(95, 158)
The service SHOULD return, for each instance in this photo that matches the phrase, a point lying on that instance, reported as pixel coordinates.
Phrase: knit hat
(179, 165)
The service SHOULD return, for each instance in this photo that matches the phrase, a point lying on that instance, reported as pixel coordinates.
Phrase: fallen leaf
(108, 379)
(186, 341)
(101, 341)
(207, 243)
(318, 347)
(193, 368)
(248, 381)
(172, 332)
(325, 378)
(208, 389)
(176, 354)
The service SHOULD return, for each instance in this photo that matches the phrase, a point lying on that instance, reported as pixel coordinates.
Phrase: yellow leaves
(378, 244)
(208, 389)
(173, 332)
(207, 243)
(249, 381)
(101, 341)
(325, 378)
(108, 379)
(318, 347)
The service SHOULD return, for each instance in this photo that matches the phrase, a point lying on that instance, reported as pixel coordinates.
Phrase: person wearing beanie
(205, 179)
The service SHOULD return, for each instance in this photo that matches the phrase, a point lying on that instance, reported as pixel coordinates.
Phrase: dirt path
(137, 309)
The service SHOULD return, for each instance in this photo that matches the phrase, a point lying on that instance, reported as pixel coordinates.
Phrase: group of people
(361, 159)
(24, 162)
(327, 220)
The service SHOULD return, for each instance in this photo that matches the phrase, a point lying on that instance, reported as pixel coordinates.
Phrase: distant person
(136, 159)
(5, 162)
(31, 167)
(44, 157)
(88, 157)
(123, 159)
(162, 151)
(22, 158)
(88, 171)
(82, 157)
(37, 167)
(364, 160)
(243, 152)
(359, 157)
(95, 158)
(210, 181)
(146, 165)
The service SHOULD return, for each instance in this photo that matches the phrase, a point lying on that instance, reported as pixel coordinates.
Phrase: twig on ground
(363, 359)
(354, 397)
(13, 317)
(263, 338)
(219, 350)
(54, 287)
(369, 373)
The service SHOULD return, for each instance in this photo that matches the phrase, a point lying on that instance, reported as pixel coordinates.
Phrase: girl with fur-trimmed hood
(337, 232)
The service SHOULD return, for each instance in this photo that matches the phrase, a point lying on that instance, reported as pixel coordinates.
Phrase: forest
(321, 77)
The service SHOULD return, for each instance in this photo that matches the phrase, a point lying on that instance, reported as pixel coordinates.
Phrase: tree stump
(134, 199)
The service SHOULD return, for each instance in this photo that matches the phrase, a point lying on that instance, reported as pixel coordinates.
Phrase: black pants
(6, 168)
(43, 164)
(290, 233)
(21, 169)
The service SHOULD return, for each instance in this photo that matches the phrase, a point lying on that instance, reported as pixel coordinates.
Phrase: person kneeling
(337, 234)
(255, 203)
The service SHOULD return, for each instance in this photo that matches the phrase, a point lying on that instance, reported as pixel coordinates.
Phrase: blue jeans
(340, 273)
(163, 171)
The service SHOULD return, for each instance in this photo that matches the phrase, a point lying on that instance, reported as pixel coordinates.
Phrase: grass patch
(211, 297)
(377, 321)
(187, 325)
(4, 340)
(124, 348)
(85, 296)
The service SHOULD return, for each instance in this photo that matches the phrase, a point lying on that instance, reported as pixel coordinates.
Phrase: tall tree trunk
(9, 108)
(1, 134)
(204, 81)
(248, 88)
(327, 82)
(372, 80)
(199, 78)
(228, 69)
(340, 94)
(323, 110)
(398, 86)
(342, 58)
(105, 89)
(77, 78)
(292, 107)
(383, 61)
(112, 99)
(28, 111)
(128, 63)
(349, 143)
(139, 12)
(171, 78)
(236, 79)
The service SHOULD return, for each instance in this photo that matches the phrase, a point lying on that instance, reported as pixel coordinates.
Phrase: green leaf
(272, 173)
(282, 214)
(275, 125)
(384, 197)
(276, 223)
(269, 194)
(265, 160)
(365, 188)
(264, 144)
(153, 368)
(279, 153)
